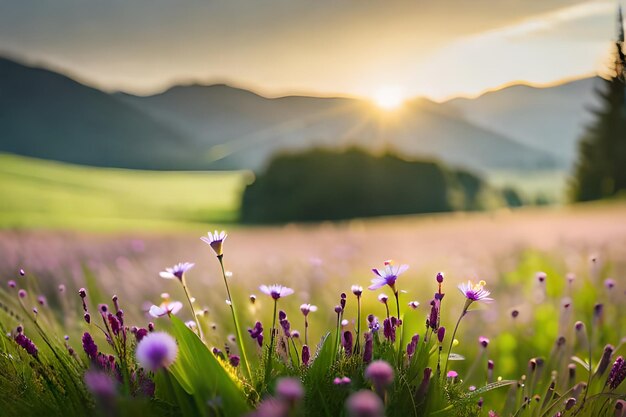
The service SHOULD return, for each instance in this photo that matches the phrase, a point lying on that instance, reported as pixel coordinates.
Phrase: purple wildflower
(289, 390)
(21, 293)
(307, 308)
(606, 359)
(100, 384)
(177, 271)
(89, 346)
(216, 241)
(441, 333)
(412, 345)
(380, 373)
(22, 273)
(257, 333)
(346, 342)
(389, 330)
(276, 291)
(364, 403)
(368, 348)
(87, 318)
(12, 284)
(609, 283)
(617, 374)
(284, 323)
(483, 341)
(433, 319)
(541, 277)
(452, 374)
(114, 323)
(234, 360)
(156, 350)
(475, 292)
(27, 344)
(140, 334)
(414, 304)
(306, 355)
(387, 276)
(357, 290)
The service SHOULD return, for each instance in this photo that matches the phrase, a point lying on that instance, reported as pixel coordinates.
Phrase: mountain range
(49, 115)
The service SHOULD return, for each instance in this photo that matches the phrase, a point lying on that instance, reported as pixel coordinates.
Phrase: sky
(433, 48)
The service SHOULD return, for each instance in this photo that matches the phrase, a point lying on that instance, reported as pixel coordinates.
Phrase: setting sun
(388, 98)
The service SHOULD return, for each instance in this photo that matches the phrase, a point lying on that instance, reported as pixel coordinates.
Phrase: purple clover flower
(216, 241)
(26, 344)
(365, 403)
(177, 271)
(157, 350)
(276, 291)
(100, 384)
(387, 276)
(89, 346)
(289, 390)
(617, 374)
(380, 374)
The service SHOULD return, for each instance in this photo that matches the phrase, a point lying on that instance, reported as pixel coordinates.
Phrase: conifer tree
(601, 168)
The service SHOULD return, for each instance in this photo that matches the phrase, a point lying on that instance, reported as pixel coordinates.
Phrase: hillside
(551, 119)
(242, 129)
(48, 115)
(36, 193)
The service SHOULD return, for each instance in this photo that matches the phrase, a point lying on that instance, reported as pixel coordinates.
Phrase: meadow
(52, 195)
(579, 252)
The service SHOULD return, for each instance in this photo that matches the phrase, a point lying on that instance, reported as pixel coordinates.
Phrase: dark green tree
(601, 168)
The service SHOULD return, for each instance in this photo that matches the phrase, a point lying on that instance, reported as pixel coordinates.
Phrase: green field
(44, 194)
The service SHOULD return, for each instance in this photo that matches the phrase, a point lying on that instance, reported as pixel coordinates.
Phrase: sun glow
(388, 98)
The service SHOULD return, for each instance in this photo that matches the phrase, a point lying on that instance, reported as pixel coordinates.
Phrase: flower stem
(357, 346)
(306, 330)
(336, 347)
(397, 303)
(268, 364)
(467, 304)
(193, 312)
(242, 350)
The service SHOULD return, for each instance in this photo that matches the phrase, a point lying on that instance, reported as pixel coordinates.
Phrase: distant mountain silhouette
(549, 118)
(244, 129)
(48, 115)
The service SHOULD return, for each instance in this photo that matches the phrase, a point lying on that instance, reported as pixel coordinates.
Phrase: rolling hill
(36, 193)
(551, 119)
(243, 129)
(48, 115)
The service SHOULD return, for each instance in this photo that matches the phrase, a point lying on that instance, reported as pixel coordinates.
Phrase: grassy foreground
(51, 195)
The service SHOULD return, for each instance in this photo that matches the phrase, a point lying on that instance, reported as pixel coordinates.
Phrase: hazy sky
(421, 47)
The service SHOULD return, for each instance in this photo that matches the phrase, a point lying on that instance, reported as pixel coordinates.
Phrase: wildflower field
(505, 313)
